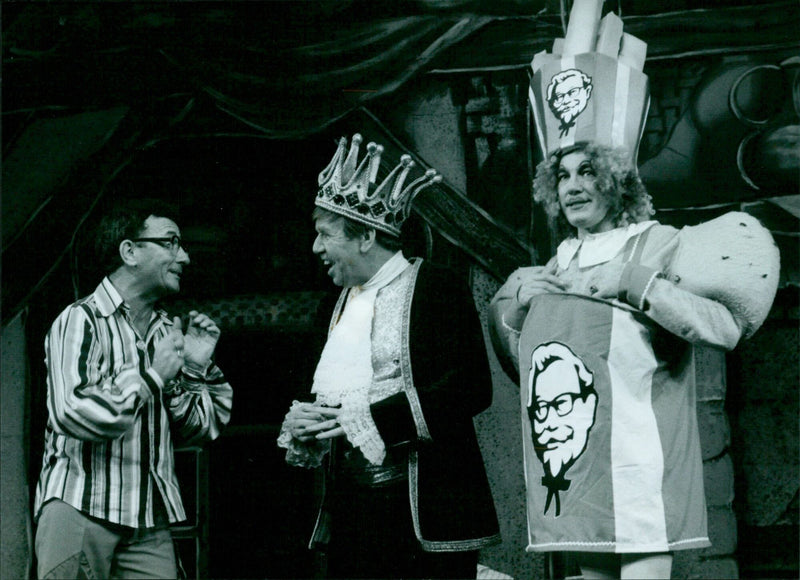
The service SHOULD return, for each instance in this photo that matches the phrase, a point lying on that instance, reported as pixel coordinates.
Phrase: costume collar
(598, 248)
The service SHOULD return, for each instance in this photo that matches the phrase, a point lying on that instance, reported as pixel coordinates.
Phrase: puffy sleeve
(717, 287)
(691, 317)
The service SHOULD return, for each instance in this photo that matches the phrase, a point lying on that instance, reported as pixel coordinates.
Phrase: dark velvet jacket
(448, 382)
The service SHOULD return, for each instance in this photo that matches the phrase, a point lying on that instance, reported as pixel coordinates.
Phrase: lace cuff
(299, 453)
(361, 431)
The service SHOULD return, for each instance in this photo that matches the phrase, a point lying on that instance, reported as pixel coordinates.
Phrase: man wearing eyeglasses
(561, 404)
(123, 382)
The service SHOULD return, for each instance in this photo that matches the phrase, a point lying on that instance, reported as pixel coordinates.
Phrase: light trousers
(71, 545)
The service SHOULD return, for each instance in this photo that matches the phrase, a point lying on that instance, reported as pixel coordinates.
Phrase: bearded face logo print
(568, 93)
(562, 405)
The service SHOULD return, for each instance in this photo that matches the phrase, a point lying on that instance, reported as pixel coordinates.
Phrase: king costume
(406, 361)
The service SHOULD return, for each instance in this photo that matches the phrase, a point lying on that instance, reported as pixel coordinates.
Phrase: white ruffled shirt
(345, 365)
(344, 373)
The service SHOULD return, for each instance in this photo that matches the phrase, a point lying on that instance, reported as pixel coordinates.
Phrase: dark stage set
(231, 109)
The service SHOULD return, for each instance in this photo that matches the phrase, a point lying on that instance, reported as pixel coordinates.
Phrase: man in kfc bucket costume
(603, 337)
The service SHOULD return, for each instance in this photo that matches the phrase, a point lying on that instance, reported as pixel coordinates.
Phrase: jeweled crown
(349, 187)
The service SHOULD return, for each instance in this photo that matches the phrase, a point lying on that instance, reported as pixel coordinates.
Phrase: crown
(348, 187)
(591, 87)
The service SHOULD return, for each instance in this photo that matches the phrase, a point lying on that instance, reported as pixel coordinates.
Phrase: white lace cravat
(344, 372)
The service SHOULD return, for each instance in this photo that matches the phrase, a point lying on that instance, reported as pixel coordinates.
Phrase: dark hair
(354, 229)
(126, 220)
(617, 181)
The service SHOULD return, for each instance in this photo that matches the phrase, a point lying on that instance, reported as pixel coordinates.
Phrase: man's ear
(367, 241)
(126, 253)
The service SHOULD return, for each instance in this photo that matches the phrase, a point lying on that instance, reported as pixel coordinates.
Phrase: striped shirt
(111, 420)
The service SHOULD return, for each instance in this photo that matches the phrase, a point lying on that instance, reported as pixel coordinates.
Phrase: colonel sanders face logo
(568, 94)
(561, 407)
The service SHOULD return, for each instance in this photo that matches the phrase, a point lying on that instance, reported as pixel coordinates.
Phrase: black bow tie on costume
(554, 484)
(566, 126)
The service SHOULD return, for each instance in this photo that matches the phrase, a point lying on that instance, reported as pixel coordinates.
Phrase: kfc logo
(568, 94)
(561, 406)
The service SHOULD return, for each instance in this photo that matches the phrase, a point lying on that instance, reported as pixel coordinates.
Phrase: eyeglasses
(172, 243)
(562, 405)
(572, 94)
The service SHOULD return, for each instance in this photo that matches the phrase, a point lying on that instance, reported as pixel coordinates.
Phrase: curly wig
(617, 181)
